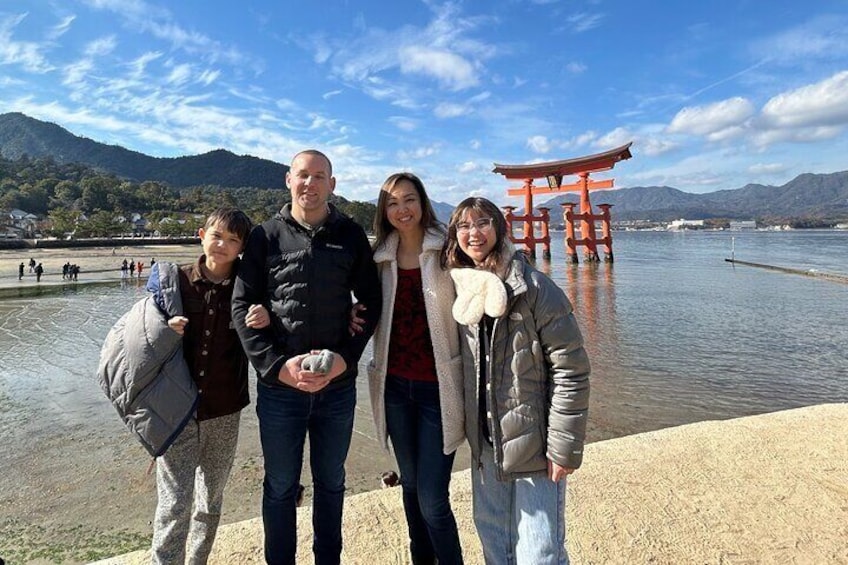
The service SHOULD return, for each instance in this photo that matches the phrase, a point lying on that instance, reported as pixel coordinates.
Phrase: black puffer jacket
(305, 280)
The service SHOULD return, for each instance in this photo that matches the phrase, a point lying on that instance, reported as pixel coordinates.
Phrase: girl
(416, 374)
(526, 388)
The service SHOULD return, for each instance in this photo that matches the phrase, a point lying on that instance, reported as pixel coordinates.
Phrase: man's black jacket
(306, 280)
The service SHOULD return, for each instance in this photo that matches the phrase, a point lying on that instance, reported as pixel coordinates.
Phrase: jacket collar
(433, 240)
(285, 215)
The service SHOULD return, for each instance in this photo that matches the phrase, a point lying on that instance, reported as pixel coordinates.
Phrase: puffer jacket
(305, 280)
(538, 398)
(439, 295)
(142, 369)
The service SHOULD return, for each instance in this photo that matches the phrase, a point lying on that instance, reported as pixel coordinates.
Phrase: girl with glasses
(526, 388)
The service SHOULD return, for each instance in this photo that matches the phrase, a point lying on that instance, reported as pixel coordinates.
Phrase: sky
(713, 95)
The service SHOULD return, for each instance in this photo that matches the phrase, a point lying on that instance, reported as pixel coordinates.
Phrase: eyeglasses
(482, 224)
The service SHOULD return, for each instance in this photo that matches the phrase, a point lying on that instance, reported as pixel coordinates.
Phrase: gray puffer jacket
(142, 369)
(538, 399)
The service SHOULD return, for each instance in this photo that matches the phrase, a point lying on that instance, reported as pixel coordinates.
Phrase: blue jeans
(414, 423)
(286, 415)
(519, 522)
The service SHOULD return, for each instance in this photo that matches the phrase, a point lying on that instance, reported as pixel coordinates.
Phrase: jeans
(286, 415)
(519, 522)
(414, 423)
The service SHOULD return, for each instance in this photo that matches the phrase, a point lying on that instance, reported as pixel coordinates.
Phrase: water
(678, 335)
(675, 334)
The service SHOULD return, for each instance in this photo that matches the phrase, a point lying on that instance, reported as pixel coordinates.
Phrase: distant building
(682, 224)
(738, 225)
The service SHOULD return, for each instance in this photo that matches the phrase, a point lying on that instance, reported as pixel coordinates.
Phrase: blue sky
(713, 95)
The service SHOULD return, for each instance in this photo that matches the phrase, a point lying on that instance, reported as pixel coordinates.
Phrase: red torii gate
(554, 171)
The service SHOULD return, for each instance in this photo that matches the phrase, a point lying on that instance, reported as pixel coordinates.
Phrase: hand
(357, 324)
(257, 317)
(557, 471)
(178, 324)
(293, 375)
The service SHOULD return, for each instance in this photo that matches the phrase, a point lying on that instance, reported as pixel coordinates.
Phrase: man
(303, 265)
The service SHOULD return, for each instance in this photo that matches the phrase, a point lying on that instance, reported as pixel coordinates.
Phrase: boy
(195, 468)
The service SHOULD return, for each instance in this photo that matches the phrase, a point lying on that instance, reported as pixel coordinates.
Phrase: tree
(62, 221)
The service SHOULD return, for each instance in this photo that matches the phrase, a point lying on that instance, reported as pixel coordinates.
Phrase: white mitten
(477, 293)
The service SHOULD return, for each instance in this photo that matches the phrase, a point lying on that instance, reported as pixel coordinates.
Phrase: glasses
(482, 224)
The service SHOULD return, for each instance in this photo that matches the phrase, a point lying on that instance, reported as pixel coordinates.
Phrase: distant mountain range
(21, 135)
(807, 195)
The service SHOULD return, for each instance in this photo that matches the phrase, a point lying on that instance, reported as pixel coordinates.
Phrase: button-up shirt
(210, 344)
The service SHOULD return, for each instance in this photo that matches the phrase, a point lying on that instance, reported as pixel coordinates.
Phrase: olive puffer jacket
(538, 398)
(142, 368)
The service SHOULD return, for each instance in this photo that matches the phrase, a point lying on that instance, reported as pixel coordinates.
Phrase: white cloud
(468, 167)
(330, 94)
(581, 22)
(61, 28)
(823, 37)
(617, 137)
(766, 168)
(450, 69)
(100, 47)
(418, 153)
(475, 144)
(575, 67)
(180, 74)
(539, 144)
(822, 104)
(27, 54)
(209, 76)
(403, 124)
(712, 118)
(451, 110)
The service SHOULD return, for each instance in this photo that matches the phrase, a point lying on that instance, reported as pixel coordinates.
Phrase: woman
(526, 388)
(416, 373)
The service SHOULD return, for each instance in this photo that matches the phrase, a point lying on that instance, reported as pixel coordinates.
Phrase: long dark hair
(453, 256)
(382, 226)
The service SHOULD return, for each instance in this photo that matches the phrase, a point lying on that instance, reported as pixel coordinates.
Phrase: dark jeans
(414, 421)
(286, 416)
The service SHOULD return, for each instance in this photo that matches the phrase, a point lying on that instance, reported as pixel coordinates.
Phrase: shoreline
(746, 490)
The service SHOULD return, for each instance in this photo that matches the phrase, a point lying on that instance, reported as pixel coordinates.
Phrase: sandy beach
(762, 489)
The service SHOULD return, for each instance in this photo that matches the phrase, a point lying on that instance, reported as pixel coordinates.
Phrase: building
(738, 225)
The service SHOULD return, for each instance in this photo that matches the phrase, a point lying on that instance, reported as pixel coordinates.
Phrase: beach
(78, 489)
(761, 489)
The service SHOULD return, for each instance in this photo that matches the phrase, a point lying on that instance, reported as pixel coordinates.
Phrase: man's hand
(293, 374)
(178, 324)
(557, 472)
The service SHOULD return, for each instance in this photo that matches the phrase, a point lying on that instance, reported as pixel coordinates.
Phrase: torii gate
(554, 171)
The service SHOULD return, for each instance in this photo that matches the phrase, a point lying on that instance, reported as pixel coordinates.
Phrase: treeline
(74, 198)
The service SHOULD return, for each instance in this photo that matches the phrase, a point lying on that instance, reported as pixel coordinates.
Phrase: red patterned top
(410, 346)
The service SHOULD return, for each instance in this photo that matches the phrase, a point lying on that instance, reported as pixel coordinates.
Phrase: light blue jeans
(519, 522)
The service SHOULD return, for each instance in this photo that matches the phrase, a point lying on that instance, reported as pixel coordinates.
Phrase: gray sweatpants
(194, 470)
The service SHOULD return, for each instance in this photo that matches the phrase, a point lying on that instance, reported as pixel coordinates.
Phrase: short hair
(314, 152)
(232, 220)
(453, 256)
(382, 226)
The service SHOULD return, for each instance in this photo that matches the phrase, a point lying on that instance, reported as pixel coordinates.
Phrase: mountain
(443, 210)
(807, 195)
(21, 135)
